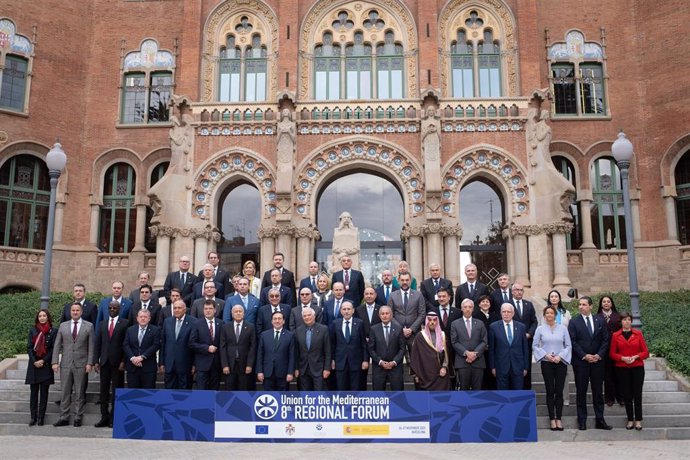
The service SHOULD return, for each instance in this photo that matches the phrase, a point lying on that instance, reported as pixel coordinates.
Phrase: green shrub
(18, 312)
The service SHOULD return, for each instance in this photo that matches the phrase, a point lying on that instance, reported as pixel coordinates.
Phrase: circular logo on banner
(265, 407)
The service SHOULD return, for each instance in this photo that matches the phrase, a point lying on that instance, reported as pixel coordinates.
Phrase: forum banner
(440, 417)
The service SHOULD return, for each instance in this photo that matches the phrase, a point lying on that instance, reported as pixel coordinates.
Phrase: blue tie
(509, 330)
(388, 292)
(347, 331)
(308, 338)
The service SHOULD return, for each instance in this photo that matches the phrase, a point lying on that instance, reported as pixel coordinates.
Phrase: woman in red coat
(628, 351)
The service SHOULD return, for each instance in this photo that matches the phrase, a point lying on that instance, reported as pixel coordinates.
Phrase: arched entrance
(482, 215)
(239, 215)
(377, 209)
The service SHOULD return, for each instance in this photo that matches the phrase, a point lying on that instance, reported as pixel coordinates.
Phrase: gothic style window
(608, 216)
(682, 175)
(156, 175)
(147, 84)
(118, 213)
(565, 167)
(24, 198)
(16, 53)
(577, 76)
(243, 74)
(367, 62)
(475, 63)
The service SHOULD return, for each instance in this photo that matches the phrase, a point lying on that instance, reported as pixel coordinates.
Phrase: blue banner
(485, 416)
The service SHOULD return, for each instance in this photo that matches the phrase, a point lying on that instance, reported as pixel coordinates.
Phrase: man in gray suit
(469, 339)
(313, 352)
(409, 308)
(76, 341)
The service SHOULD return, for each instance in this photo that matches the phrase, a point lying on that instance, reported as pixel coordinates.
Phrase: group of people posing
(326, 333)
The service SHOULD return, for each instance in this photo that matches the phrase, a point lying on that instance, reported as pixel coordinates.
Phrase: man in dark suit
(245, 298)
(75, 341)
(141, 344)
(238, 351)
(331, 309)
(508, 350)
(146, 302)
(220, 276)
(431, 286)
(387, 349)
(264, 320)
(104, 305)
(313, 346)
(166, 311)
(502, 293)
(409, 309)
(287, 277)
(110, 362)
(182, 279)
(310, 281)
(469, 340)
(89, 310)
(447, 314)
(143, 280)
(206, 275)
(368, 312)
(210, 293)
(306, 300)
(176, 357)
(275, 357)
(349, 349)
(590, 346)
(286, 294)
(353, 280)
(384, 291)
(471, 289)
(525, 313)
(205, 342)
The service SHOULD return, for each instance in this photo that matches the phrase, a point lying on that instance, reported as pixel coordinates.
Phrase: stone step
(619, 421)
(650, 397)
(84, 431)
(617, 434)
(20, 374)
(616, 410)
(52, 408)
(89, 419)
(649, 374)
(649, 386)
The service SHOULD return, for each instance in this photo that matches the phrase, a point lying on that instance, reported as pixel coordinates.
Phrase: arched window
(118, 214)
(16, 57)
(682, 176)
(475, 58)
(481, 213)
(345, 68)
(577, 76)
(24, 199)
(243, 75)
(156, 175)
(565, 167)
(147, 84)
(608, 215)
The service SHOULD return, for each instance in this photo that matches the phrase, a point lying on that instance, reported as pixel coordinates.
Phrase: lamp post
(622, 150)
(56, 160)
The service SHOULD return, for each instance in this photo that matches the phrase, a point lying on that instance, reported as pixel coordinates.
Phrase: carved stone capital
(452, 230)
(268, 231)
(409, 231)
(532, 230)
(310, 232)
(434, 227)
(348, 251)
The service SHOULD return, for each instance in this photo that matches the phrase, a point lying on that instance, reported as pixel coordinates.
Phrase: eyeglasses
(305, 293)
(274, 296)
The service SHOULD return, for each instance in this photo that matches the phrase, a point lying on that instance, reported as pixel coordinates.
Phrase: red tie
(111, 327)
(210, 329)
(347, 279)
(74, 331)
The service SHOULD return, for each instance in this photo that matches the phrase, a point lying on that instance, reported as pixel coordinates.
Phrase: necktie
(444, 316)
(210, 329)
(519, 308)
(388, 292)
(111, 327)
(74, 330)
(505, 296)
(244, 302)
(237, 332)
(347, 278)
(370, 312)
(589, 326)
(347, 331)
(337, 309)
(313, 284)
(436, 284)
(471, 289)
(183, 278)
(276, 309)
(177, 327)
(145, 307)
(141, 334)
(385, 334)
(405, 299)
(276, 340)
(509, 331)
(468, 324)
(308, 338)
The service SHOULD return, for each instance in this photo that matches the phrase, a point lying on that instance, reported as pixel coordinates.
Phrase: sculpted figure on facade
(181, 141)
(285, 146)
(346, 239)
(431, 140)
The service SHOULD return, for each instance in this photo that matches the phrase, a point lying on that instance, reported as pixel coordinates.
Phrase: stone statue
(181, 138)
(285, 146)
(431, 141)
(345, 241)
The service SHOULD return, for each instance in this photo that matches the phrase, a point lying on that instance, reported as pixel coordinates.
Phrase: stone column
(635, 205)
(59, 221)
(434, 244)
(586, 222)
(521, 261)
(451, 236)
(561, 281)
(541, 273)
(140, 233)
(163, 235)
(669, 194)
(200, 250)
(306, 237)
(93, 233)
(266, 236)
(285, 244)
(412, 236)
